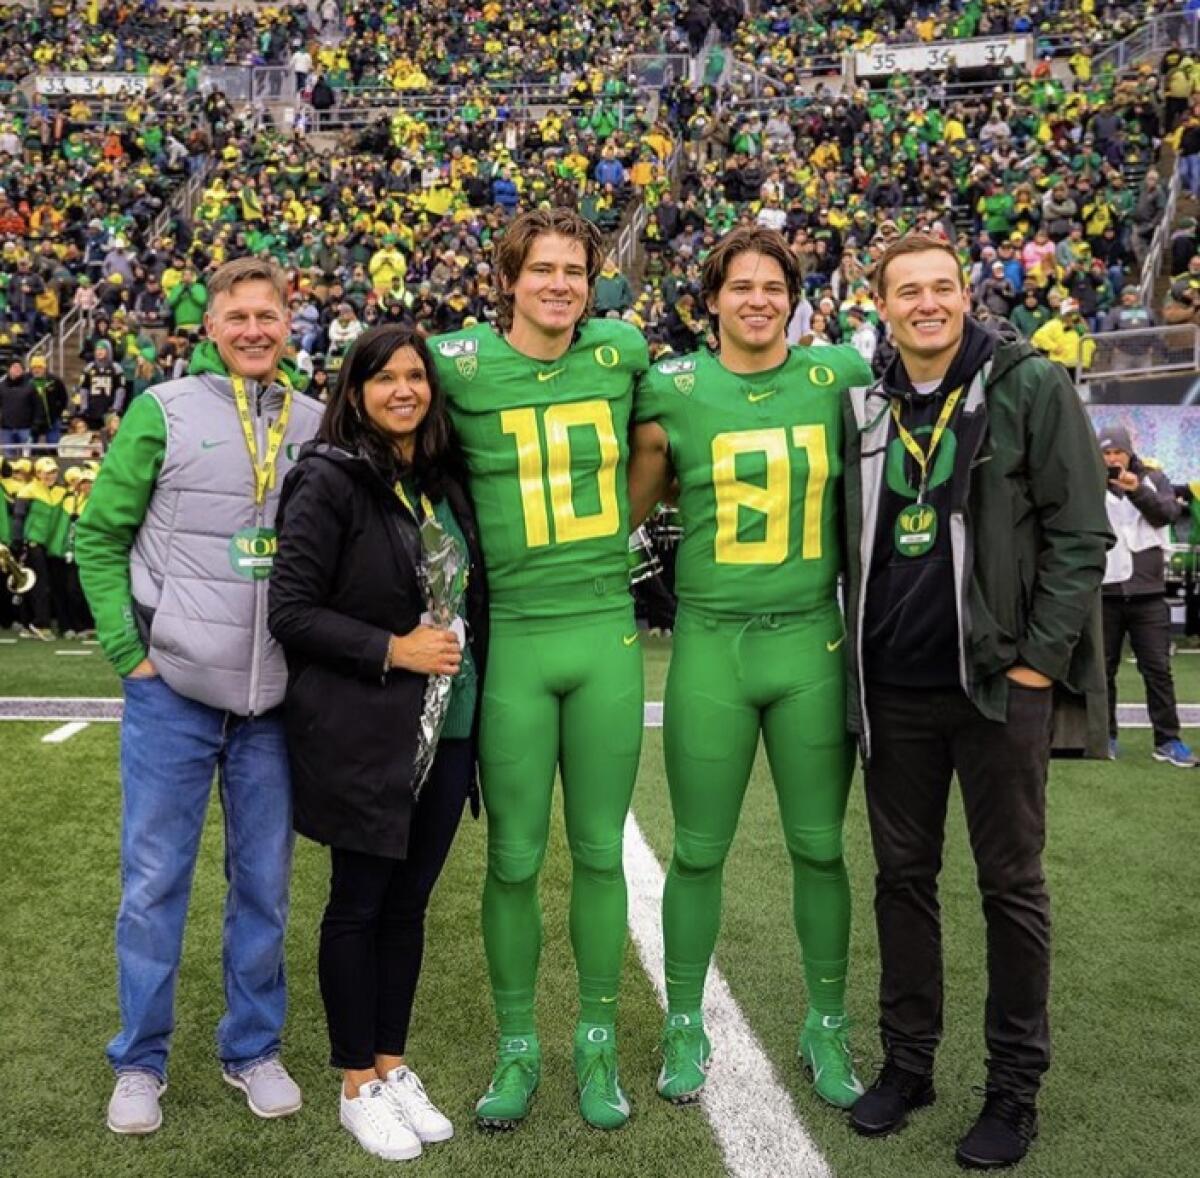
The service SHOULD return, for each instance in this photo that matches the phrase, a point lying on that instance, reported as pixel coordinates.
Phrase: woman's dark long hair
(347, 426)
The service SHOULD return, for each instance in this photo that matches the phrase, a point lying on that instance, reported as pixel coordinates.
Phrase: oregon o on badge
(252, 552)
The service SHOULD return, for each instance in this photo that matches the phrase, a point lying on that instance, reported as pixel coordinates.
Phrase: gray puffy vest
(198, 570)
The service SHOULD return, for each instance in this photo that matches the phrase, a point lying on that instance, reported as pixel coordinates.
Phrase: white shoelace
(270, 1069)
(415, 1090)
(131, 1084)
(378, 1110)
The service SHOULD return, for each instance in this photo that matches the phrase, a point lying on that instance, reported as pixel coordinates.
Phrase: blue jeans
(170, 749)
(14, 438)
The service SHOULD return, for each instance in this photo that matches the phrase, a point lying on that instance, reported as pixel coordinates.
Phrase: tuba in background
(18, 577)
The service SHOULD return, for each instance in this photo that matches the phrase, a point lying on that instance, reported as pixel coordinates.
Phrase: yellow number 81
(774, 499)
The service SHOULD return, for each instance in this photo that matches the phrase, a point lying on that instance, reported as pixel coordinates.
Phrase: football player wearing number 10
(542, 410)
(753, 435)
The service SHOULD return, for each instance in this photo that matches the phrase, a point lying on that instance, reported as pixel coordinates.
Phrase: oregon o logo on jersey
(820, 375)
(943, 463)
(607, 356)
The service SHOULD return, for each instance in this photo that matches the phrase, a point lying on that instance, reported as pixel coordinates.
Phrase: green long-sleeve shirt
(109, 524)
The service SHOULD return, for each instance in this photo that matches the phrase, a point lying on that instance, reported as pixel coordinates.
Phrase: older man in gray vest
(174, 552)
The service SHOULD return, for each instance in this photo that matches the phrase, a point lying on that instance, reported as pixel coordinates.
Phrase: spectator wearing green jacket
(613, 292)
(1029, 314)
(188, 300)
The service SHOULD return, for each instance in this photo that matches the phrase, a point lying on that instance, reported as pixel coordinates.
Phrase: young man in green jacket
(977, 534)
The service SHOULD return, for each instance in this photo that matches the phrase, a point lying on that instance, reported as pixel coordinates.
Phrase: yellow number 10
(535, 471)
(774, 499)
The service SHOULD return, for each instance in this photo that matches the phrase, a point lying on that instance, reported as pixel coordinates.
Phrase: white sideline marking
(78, 654)
(750, 1112)
(65, 732)
(8, 642)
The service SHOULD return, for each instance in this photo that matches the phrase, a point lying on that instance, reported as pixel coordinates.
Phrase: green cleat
(687, 1053)
(825, 1050)
(518, 1069)
(602, 1101)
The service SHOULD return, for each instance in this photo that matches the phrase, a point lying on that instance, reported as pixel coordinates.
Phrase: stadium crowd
(1047, 186)
(787, 42)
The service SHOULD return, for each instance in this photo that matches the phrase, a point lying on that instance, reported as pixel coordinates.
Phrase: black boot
(885, 1106)
(1001, 1136)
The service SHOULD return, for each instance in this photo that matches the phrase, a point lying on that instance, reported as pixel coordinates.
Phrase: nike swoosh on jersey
(210, 445)
(543, 376)
(629, 640)
(754, 398)
(832, 646)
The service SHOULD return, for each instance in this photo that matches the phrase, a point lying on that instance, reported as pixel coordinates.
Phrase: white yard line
(751, 1113)
(79, 654)
(65, 732)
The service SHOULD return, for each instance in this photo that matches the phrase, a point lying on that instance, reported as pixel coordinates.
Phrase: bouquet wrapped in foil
(444, 582)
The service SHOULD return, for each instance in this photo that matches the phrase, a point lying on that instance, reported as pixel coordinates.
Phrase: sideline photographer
(1141, 507)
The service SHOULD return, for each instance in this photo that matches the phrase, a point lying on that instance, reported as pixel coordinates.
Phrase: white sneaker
(404, 1089)
(378, 1128)
(133, 1107)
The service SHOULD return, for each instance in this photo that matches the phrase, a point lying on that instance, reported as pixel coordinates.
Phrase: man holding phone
(1141, 507)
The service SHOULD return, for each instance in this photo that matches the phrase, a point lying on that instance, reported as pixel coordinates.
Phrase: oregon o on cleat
(687, 1055)
(506, 1102)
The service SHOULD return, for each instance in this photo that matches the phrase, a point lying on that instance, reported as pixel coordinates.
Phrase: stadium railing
(74, 323)
(1144, 352)
(250, 83)
(1153, 37)
(1158, 243)
(652, 71)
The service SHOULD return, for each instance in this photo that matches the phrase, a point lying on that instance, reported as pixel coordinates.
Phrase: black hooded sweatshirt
(910, 633)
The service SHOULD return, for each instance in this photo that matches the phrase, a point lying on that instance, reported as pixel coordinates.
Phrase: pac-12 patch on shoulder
(685, 382)
(671, 367)
(467, 365)
(451, 348)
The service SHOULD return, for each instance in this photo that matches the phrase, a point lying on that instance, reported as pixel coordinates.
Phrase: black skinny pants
(919, 740)
(373, 931)
(1147, 621)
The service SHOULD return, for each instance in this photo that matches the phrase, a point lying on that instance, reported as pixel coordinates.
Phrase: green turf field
(1119, 1102)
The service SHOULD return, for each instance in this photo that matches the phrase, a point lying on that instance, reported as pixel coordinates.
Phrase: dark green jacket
(1028, 532)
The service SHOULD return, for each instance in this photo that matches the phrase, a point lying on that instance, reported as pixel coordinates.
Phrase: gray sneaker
(133, 1107)
(270, 1091)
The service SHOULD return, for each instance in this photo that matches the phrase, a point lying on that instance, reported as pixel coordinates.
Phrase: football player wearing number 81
(753, 434)
(542, 408)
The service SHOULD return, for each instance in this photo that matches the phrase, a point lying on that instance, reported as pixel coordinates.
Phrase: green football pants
(561, 693)
(782, 675)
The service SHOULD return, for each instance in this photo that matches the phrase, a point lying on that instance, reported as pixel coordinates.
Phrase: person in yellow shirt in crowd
(1065, 340)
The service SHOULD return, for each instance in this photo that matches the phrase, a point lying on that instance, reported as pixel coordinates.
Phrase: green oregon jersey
(759, 458)
(547, 449)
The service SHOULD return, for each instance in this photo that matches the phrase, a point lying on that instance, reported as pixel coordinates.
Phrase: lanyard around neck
(264, 471)
(924, 458)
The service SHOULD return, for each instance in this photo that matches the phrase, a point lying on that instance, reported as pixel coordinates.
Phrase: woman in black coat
(364, 504)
